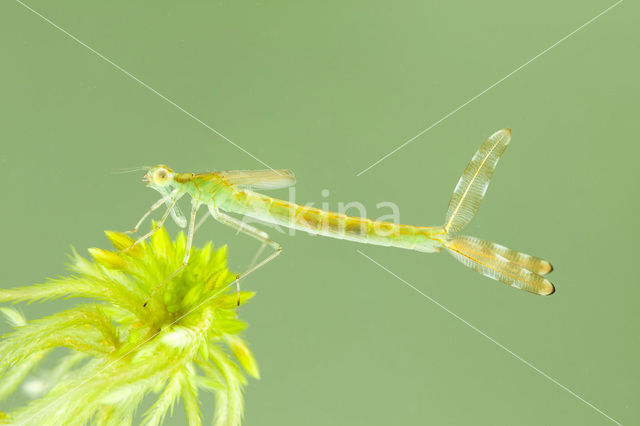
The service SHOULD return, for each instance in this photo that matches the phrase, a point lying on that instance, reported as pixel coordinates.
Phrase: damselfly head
(158, 176)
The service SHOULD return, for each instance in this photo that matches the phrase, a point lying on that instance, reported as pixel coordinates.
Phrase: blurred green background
(327, 88)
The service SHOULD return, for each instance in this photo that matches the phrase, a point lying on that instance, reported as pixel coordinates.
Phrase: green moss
(183, 342)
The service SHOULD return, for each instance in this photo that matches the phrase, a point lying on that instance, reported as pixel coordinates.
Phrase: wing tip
(502, 136)
(549, 289)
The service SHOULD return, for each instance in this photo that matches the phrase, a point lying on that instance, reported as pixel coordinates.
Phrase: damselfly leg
(187, 253)
(256, 233)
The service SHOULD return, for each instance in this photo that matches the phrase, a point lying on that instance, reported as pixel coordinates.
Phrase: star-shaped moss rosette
(183, 342)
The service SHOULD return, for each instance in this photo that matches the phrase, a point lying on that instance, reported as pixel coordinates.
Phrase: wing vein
(473, 179)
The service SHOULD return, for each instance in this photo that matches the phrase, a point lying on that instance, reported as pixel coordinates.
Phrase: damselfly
(224, 192)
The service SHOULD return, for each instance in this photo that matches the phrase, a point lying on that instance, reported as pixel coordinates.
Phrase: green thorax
(203, 187)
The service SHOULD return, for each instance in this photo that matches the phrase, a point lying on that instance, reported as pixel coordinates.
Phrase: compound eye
(160, 176)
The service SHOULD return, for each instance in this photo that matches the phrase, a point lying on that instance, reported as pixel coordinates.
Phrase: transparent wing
(502, 264)
(259, 179)
(473, 183)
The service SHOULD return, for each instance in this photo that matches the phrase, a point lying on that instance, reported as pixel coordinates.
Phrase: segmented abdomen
(336, 225)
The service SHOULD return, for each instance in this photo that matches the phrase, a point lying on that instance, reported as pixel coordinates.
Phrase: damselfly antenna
(129, 170)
